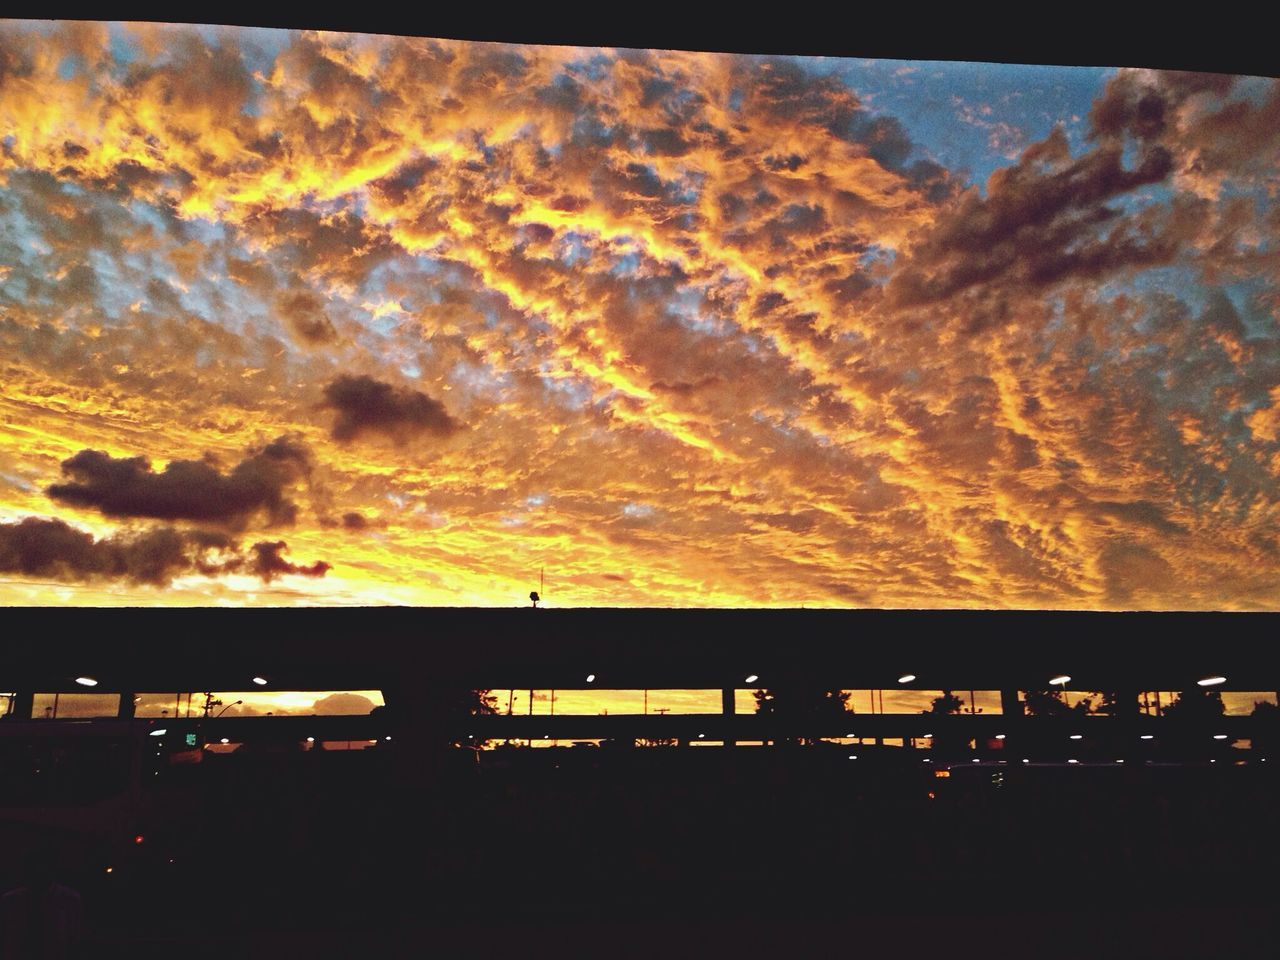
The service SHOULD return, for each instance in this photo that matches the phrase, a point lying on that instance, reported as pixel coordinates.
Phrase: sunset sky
(339, 319)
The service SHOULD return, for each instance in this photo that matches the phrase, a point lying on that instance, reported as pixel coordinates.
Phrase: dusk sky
(340, 319)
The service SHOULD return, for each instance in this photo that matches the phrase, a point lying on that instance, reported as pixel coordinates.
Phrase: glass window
(591, 702)
(258, 703)
(75, 705)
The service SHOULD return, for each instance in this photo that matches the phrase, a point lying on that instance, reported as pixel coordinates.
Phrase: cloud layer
(676, 328)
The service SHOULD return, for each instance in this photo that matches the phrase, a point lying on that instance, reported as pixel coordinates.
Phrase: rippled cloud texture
(322, 318)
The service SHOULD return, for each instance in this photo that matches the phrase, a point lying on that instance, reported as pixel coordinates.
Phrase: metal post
(727, 707)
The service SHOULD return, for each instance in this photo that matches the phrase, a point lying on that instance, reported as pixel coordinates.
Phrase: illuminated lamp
(1211, 681)
(86, 681)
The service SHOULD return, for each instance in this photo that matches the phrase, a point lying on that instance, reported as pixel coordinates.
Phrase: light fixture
(158, 733)
(999, 736)
(928, 736)
(260, 681)
(1076, 736)
(752, 679)
(387, 739)
(853, 756)
(86, 681)
(311, 739)
(1119, 761)
(850, 736)
(701, 735)
(926, 760)
(1061, 680)
(1025, 760)
(1211, 681)
(906, 678)
(1219, 736)
(591, 678)
(976, 760)
(1073, 761)
(1147, 736)
(224, 740)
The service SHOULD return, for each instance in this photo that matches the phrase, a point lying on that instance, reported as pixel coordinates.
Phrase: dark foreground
(667, 853)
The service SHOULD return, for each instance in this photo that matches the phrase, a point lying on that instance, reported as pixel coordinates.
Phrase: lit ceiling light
(387, 739)
(260, 681)
(701, 735)
(311, 739)
(752, 679)
(1211, 681)
(850, 736)
(999, 736)
(1061, 680)
(906, 678)
(1025, 760)
(976, 760)
(159, 733)
(1147, 736)
(1119, 761)
(1076, 736)
(853, 756)
(86, 681)
(928, 736)
(1219, 736)
(926, 760)
(591, 678)
(224, 740)
(1073, 761)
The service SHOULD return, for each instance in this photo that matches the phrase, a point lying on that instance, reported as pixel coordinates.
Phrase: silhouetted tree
(1267, 715)
(476, 703)
(947, 743)
(1112, 703)
(806, 705)
(1199, 704)
(1192, 714)
(947, 703)
(1051, 703)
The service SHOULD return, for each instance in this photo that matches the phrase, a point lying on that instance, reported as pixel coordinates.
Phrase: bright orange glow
(425, 322)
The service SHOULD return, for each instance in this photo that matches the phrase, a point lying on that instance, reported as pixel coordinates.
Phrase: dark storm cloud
(49, 547)
(1144, 513)
(52, 548)
(192, 490)
(1142, 104)
(366, 405)
(354, 521)
(1045, 219)
(304, 312)
(266, 562)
